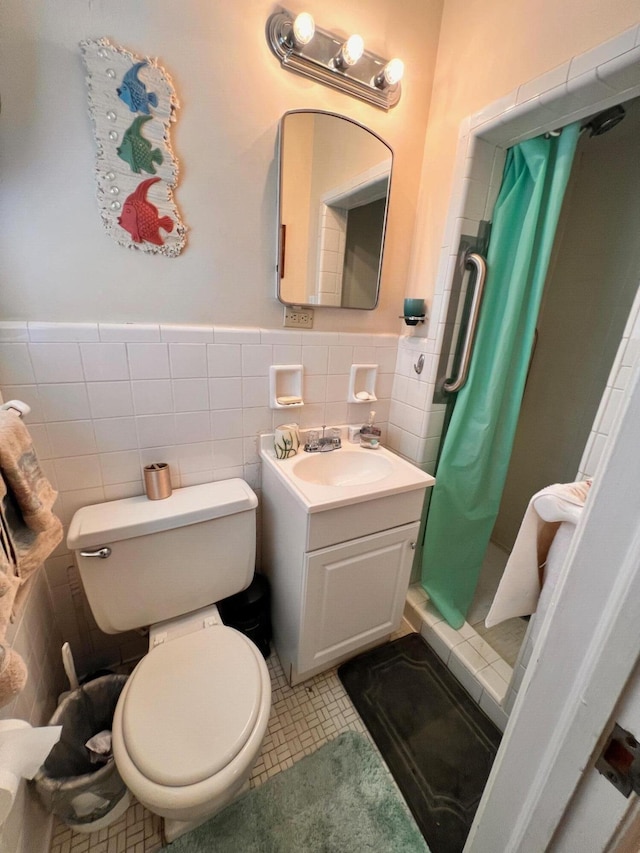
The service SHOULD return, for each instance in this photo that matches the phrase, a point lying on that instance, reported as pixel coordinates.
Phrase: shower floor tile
(302, 719)
(507, 637)
(492, 570)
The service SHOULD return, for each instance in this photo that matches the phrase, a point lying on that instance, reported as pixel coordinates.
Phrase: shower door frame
(552, 731)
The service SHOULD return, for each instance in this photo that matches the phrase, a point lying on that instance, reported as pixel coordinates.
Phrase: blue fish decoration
(134, 92)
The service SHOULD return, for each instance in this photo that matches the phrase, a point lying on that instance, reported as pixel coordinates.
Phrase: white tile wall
(473, 662)
(107, 399)
(613, 396)
(331, 244)
(411, 402)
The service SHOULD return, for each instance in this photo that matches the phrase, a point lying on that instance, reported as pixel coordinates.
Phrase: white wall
(59, 265)
(295, 208)
(485, 51)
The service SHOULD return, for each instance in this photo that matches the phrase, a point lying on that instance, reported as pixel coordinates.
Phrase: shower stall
(573, 378)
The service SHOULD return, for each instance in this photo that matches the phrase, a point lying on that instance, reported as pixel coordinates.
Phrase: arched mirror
(334, 185)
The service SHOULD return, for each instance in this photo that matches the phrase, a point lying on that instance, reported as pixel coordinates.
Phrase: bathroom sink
(342, 469)
(349, 475)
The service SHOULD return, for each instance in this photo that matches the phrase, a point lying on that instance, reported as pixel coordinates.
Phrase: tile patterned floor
(302, 719)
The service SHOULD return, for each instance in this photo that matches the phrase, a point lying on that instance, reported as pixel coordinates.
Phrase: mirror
(332, 210)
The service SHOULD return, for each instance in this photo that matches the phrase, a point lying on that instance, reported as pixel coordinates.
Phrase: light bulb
(390, 74)
(393, 71)
(352, 49)
(303, 29)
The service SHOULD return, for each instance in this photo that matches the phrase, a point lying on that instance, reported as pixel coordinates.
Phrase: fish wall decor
(134, 92)
(141, 218)
(132, 103)
(136, 150)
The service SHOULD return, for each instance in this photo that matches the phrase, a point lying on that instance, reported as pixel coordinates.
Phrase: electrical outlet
(298, 318)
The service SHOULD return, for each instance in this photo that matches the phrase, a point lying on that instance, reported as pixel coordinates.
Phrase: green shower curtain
(475, 454)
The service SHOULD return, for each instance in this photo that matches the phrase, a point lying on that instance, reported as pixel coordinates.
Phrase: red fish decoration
(140, 217)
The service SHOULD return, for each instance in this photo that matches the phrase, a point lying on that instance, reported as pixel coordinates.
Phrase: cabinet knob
(413, 546)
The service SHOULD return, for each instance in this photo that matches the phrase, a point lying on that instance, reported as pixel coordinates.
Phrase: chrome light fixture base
(317, 60)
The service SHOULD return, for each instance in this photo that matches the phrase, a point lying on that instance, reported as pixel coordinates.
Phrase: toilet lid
(191, 704)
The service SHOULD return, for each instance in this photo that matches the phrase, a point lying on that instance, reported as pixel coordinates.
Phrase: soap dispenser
(370, 434)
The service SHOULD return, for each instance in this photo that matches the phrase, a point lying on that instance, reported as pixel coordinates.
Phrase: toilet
(191, 718)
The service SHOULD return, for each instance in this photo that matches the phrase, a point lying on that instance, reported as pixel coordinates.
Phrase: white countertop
(402, 476)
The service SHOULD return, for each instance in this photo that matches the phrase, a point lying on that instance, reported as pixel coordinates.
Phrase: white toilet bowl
(190, 723)
(191, 719)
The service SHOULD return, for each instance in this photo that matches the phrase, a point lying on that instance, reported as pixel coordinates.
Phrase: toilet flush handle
(103, 553)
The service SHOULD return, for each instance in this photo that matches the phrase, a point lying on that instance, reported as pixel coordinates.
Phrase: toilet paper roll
(22, 752)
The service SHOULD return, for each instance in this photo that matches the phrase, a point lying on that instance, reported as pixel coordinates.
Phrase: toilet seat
(191, 705)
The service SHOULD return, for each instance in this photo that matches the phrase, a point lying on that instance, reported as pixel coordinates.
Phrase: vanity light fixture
(326, 58)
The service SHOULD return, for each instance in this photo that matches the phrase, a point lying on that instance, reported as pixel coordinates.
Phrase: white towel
(521, 582)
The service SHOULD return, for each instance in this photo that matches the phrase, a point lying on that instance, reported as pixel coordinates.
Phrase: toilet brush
(70, 669)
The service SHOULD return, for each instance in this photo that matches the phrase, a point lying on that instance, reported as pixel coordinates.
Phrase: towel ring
(17, 406)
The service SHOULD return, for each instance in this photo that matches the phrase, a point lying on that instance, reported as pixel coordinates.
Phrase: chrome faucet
(324, 443)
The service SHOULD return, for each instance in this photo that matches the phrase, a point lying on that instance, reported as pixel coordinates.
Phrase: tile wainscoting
(107, 399)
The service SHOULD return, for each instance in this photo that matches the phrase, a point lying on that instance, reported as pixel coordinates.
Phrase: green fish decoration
(136, 150)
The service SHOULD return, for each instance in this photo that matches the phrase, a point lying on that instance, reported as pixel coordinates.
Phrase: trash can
(249, 611)
(83, 789)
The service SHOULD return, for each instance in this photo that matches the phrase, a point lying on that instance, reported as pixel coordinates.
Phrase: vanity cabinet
(339, 577)
(353, 595)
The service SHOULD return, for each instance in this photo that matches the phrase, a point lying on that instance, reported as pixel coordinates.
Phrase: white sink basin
(342, 469)
(352, 474)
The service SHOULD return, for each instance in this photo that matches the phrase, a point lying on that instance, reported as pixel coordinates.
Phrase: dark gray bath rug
(437, 743)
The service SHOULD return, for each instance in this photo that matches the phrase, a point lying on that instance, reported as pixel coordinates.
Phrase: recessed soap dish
(362, 383)
(285, 386)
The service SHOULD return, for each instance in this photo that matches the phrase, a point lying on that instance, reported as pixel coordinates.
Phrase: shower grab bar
(480, 265)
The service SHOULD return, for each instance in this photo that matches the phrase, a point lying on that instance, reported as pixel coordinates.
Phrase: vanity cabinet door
(354, 594)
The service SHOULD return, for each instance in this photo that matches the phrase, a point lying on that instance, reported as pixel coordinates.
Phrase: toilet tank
(166, 557)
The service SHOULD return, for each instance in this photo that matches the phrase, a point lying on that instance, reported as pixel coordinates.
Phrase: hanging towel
(13, 674)
(9, 580)
(521, 582)
(29, 531)
(21, 471)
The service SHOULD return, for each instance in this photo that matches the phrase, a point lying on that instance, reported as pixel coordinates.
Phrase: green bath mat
(340, 799)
